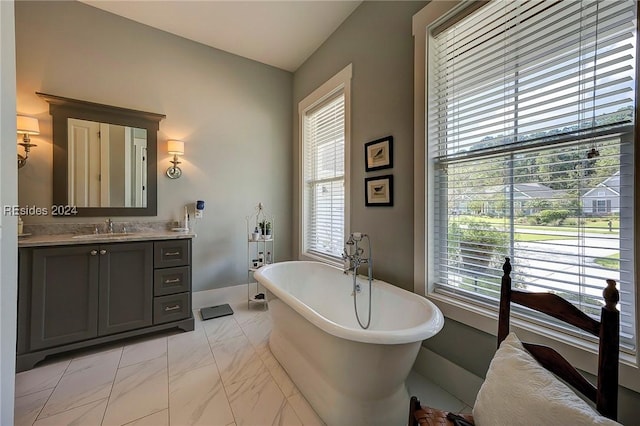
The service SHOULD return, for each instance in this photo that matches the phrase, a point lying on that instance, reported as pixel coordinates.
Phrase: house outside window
(324, 135)
(604, 198)
(531, 116)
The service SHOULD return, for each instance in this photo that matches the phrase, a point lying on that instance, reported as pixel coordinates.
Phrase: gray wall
(377, 40)
(234, 115)
(9, 196)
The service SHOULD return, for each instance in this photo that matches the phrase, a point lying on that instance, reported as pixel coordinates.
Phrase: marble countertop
(73, 239)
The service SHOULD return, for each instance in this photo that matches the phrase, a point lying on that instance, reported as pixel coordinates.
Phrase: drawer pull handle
(172, 253)
(103, 252)
(175, 280)
(171, 308)
(93, 252)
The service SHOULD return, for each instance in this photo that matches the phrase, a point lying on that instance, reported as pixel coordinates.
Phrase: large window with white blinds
(324, 177)
(531, 135)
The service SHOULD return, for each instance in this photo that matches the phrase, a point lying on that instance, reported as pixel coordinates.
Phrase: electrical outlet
(198, 208)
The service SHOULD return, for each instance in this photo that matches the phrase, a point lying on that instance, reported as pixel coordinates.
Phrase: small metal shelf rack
(260, 251)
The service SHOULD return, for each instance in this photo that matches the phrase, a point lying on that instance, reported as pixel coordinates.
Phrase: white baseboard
(219, 296)
(459, 382)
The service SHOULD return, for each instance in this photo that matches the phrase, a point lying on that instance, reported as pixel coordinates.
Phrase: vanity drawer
(171, 253)
(171, 308)
(171, 280)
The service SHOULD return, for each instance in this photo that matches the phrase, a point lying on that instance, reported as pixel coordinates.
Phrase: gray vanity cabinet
(74, 296)
(80, 292)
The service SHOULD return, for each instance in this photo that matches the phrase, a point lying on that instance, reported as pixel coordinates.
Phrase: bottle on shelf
(260, 258)
(268, 258)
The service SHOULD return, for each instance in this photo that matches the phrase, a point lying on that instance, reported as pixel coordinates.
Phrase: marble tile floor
(222, 373)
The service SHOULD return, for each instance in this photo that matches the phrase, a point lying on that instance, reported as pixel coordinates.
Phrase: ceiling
(278, 33)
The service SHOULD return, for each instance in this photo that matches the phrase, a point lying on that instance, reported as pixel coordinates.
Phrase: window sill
(582, 354)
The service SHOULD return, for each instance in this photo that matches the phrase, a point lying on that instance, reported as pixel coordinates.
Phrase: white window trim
(580, 353)
(339, 82)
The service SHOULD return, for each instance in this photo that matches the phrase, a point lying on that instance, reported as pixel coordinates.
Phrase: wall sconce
(26, 126)
(176, 148)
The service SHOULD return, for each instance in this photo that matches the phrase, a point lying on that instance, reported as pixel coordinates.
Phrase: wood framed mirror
(104, 158)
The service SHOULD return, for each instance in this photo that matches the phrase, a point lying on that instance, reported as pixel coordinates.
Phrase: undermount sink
(102, 236)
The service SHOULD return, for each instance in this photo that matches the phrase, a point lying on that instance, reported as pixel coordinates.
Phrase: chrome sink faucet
(109, 226)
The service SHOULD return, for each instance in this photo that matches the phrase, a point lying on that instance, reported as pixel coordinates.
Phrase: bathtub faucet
(353, 254)
(353, 261)
(353, 257)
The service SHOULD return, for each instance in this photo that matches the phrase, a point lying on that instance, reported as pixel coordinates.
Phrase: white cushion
(519, 391)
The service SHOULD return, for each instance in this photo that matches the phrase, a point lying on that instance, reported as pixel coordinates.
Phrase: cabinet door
(126, 287)
(64, 298)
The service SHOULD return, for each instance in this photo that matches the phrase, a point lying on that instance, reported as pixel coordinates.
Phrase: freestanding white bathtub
(349, 375)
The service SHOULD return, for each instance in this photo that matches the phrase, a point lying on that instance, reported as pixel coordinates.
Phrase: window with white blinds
(531, 134)
(324, 177)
